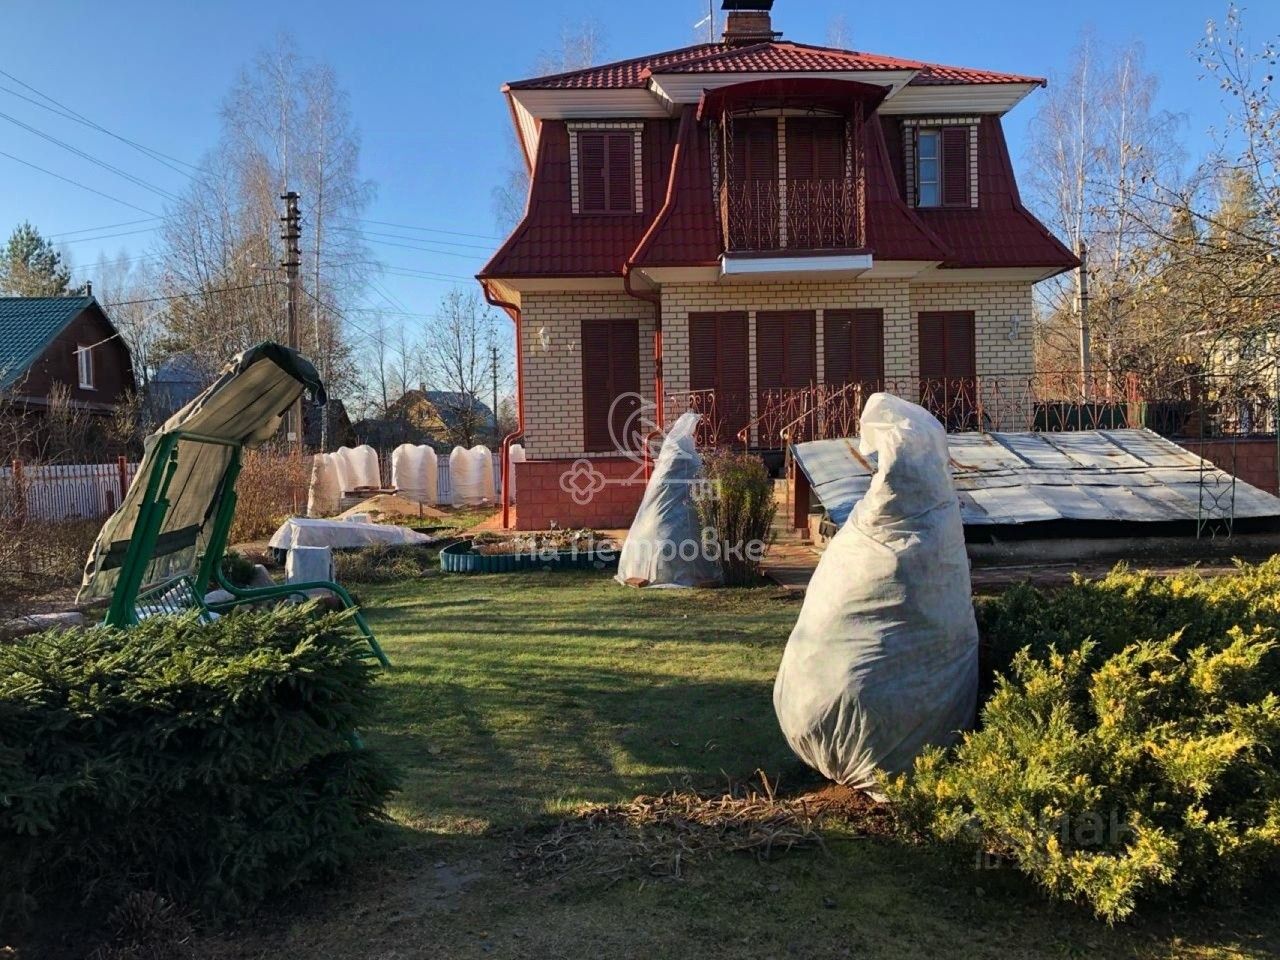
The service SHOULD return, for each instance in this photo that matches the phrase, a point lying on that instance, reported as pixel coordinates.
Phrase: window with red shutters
(755, 149)
(610, 385)
(948, 367)
(719, 360)
(853, 347)
(606, 172)
(943, 167)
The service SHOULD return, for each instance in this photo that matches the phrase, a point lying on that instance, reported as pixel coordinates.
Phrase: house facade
(744, 228)
(61, 350)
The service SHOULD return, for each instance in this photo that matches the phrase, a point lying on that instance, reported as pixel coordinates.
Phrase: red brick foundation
(1255, 460)
(542, 500)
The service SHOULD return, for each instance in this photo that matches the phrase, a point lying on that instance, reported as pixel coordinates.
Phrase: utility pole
(1082, 308)
(496, 428)
(291, 263)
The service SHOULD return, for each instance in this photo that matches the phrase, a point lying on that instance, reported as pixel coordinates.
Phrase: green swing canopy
(174, 515)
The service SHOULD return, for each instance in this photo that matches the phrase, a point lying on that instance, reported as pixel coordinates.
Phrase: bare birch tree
(1096, 137)
(286, 124)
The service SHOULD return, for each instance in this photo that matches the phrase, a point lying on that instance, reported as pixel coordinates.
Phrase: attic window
(941, 163)
(606, 169)
(84, 366)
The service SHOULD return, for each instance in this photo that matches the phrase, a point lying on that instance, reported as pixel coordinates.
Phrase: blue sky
(424, 82)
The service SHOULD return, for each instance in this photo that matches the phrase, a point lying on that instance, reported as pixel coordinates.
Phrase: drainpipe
(518, 434)
(655, 298)
(652, 296)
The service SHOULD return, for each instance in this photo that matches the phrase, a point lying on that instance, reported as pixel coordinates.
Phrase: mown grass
(516, 699)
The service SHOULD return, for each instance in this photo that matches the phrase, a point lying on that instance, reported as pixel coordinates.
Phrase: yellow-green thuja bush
(207, 762)
(1131, 749)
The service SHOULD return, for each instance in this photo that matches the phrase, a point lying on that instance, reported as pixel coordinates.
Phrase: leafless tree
(580, 47)
(286, 125)
(1096, 137)
(458, 360)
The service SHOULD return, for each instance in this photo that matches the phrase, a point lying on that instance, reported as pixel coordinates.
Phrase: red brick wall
(541, 500)
(1255, 460)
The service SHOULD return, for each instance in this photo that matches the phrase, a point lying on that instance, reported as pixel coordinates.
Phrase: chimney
(748, 22)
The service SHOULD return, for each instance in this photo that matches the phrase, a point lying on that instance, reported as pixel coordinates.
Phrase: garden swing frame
(242, 407)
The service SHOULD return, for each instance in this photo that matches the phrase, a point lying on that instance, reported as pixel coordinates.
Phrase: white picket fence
(79, 491)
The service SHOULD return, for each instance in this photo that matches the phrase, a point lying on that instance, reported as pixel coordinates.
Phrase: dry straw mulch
(658, 837)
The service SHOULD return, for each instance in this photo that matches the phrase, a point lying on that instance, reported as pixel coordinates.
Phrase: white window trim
(84, 367)
(909, 127)
(637, 170)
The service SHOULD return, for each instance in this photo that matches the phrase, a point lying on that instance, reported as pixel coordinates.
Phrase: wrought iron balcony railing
(776, 215)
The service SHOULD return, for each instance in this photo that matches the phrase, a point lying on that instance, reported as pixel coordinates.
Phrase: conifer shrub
(738, 508)
(209, 763)
(1130, 751)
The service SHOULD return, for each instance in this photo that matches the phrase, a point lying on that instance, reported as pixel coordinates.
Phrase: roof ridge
(612, 65)
(720, 54)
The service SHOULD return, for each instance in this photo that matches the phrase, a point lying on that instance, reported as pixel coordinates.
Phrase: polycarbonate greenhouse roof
(1023, 478)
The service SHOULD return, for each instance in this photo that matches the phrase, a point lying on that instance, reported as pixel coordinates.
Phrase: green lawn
(516, 699)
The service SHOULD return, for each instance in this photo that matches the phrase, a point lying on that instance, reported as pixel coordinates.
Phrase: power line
(191, 296)
(138, 181)
(405, 226)
(77, 183)
(105, 226)
(397, 236)
(110, 236)
(441, 253)
(70, 114)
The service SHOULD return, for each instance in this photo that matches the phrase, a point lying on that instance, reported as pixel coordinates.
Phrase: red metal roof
(767, 57)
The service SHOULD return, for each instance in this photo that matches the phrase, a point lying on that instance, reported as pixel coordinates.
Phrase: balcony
(775, 216)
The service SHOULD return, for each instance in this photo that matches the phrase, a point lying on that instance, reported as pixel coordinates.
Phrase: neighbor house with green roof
(53, 346)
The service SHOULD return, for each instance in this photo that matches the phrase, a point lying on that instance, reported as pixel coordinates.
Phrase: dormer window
(606, 168)
(941, 165)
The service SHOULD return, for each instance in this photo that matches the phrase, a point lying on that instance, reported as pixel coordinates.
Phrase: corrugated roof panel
(1086, 475)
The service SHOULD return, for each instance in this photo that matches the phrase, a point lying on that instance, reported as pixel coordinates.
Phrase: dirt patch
(849, 806)
(390, 508)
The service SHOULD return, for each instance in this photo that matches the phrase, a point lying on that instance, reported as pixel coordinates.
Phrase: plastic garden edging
(462, 558)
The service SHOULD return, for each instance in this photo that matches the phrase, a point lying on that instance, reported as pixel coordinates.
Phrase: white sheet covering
(471, 476)
(514, 456)
(341, 534)
(665, 547)
(325, 490)
(414, 473)
(883, 659)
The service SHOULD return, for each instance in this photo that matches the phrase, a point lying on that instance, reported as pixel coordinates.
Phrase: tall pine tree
(31, 267)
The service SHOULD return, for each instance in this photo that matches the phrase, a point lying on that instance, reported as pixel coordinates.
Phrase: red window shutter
(837, 346)
(785, 349)
(933, 351)
(955, 166)
(596, 395)
(868, 347)
(815, 149)
(755, 149)
(622, 173)
(610, 370)
(960, 346)
(947, 346)
(770, 350)
(800, 145)
(703, 351)
(719, 361)
(853, 347)
(592, 163)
